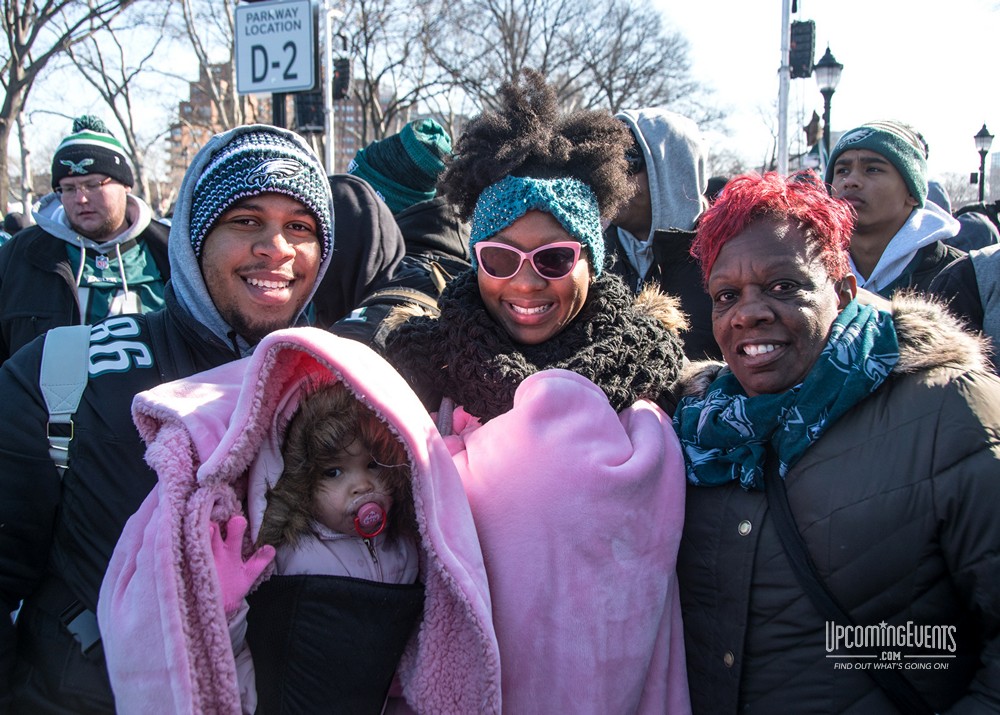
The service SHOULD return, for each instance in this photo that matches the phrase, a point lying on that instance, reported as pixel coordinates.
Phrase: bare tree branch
(103, 61)
(34, 35)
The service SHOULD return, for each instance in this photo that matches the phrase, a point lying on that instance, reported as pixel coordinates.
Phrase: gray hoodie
(675, 164)
(50, 216)
(186, 278)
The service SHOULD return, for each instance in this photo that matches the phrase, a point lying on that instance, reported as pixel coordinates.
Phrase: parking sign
(275, 47)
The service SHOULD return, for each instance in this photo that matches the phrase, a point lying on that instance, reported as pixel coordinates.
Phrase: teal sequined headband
(570, 201)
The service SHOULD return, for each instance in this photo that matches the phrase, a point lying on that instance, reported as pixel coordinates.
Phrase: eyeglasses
(551, 261)
(85, 189)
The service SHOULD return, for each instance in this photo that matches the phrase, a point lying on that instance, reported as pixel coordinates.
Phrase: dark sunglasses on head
(636, 161)
(551, 261)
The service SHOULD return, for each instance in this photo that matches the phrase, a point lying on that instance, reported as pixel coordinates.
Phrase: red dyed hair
(826, 222)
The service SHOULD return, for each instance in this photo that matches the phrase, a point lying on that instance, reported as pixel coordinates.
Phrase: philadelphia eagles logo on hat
(856, 136)
(91, 149)
(77, 167)
(272, 169)
(259, 161)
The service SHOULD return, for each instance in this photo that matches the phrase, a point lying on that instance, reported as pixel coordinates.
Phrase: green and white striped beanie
(91, 149)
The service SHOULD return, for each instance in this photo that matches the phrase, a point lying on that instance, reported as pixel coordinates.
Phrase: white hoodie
(923, 227)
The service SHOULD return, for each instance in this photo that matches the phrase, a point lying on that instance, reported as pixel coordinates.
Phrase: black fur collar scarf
(467, 356)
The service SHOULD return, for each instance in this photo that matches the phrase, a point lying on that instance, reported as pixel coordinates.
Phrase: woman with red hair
(844, 467)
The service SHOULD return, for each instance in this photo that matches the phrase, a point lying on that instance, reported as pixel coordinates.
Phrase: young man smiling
(880, 169)
(95, 251)
(250, 241)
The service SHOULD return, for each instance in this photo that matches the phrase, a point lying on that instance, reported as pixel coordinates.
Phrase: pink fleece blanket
(579, 513)
(160, 611)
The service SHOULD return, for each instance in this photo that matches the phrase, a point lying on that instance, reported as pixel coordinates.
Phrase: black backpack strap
(895, 685)
(401, 295)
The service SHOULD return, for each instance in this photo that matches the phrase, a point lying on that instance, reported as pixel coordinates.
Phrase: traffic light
(341, 77)
(801, 48)
(310, 115)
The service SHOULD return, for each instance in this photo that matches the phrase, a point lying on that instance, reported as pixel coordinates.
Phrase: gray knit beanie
(257, 163)
(898, 143)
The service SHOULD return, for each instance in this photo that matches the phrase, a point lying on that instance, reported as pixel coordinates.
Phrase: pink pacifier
(370, 520)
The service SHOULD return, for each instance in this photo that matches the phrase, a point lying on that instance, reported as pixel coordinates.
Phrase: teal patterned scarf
(725, 433)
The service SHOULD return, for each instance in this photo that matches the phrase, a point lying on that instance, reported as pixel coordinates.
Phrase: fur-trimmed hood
(665, 308)
(929, 337)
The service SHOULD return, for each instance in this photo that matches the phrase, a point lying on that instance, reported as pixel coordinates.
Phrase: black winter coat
(923, 268)
(676, 273)
(38, 288)
(56, 538)
(897, 505)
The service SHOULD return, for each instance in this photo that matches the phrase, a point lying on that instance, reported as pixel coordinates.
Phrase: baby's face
(350, 479)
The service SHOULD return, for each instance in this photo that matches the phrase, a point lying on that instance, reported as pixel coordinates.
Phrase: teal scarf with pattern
(725, 434)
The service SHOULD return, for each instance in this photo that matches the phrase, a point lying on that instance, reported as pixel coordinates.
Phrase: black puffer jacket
(897, 506)
(675, 272)
(71, 528)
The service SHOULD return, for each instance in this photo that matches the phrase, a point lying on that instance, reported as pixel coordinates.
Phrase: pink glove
(462, 425)
(236, 576)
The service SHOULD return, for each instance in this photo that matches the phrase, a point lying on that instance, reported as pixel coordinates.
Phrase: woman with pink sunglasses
(545, 372)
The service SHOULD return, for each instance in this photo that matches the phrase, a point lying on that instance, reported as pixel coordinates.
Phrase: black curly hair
(528, 137)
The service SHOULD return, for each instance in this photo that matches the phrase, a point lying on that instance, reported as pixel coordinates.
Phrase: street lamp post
(827, 76)
(983, 141)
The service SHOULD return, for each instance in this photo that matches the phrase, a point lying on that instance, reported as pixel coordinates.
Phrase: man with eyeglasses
(650, 236)
(96, 250)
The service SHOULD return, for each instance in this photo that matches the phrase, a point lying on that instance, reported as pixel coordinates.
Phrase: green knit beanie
(403, 168)
(896, 142)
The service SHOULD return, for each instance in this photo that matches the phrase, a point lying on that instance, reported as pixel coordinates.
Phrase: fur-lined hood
(929, 337)
(663, 307)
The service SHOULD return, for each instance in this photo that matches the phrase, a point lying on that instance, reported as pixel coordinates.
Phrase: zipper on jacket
(371, 550)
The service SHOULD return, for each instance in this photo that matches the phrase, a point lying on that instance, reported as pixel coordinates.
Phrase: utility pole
(328, 84)
(784, 81)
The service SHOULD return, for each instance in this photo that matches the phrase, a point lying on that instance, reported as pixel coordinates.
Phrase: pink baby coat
(165, 634)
